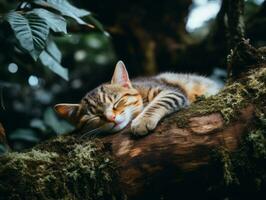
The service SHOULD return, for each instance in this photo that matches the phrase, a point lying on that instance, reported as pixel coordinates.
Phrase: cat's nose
(110, 117)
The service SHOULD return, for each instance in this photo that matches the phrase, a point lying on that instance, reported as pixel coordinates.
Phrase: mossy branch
(61, 168)
(177, 159)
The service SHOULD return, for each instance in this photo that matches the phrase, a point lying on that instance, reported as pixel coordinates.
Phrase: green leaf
(39, 124)
(2, 149)
(30, 30)
(56, 22)
(53, 50)
(24, 134)
(65, 8)
(59, 126)
(49, 61)
(97, 24)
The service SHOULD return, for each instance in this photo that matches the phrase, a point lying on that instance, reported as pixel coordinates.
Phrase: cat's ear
(67, 111)
(120, 75)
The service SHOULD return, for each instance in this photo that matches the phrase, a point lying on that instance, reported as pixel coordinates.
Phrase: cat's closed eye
(119, 104)
(91, 110)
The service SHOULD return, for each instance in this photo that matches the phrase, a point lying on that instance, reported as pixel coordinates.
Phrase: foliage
(33, 24)
(25, 109)
(89, 57)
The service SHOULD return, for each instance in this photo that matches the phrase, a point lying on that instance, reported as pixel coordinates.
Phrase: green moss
(245, 168)
(85, 164)
(63, 168)
(27, 171)
(257, 141)
(230, 100)
(34, 155)
(225, 161)
(69, 168)
(257, 83)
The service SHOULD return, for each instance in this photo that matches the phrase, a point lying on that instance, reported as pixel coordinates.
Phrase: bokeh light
(13, 68)
(33, 81)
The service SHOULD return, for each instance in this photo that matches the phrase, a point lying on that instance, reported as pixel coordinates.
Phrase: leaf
(37, 123)
(49, 61)
(65, 8)
(24, 134)
(97, 24)
(53, 50)
(56, 22)
(58, 126)
(3, 149)
(30, 30)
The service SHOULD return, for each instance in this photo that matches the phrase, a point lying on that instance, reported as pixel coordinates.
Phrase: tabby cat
(142, 102)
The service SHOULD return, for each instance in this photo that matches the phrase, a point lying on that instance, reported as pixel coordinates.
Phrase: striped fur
(142, 102)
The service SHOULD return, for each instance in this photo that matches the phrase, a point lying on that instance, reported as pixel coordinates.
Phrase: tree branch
(235, 20)
(177, 159)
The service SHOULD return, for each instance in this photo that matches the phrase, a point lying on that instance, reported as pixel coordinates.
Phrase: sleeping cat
(142, 102)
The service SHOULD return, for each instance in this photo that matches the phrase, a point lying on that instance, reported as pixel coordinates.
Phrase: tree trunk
(215, 149)
(164, 43)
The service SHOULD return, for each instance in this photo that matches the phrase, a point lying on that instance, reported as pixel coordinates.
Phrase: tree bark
(154, 166)
(197, 152)
(235, 20)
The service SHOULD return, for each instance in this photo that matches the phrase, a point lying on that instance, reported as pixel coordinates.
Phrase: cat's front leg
(164, 103)
(142, 124)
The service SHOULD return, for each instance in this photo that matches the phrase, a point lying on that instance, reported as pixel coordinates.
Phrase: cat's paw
(142, 126)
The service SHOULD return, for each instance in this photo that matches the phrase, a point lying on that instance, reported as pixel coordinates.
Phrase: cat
(142, 102)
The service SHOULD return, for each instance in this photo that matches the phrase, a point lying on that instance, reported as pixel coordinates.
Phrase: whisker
(91, 132)
(85, 122)
(95, 132)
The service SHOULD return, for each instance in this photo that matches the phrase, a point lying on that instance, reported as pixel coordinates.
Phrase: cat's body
(142, 102)
(191, 85)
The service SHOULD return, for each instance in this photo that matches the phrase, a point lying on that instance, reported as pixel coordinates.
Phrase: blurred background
(149, 36)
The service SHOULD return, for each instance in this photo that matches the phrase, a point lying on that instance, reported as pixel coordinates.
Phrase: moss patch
(230, 100)
(229, 176)
(243, 172)
(63, 168)
(69, 168)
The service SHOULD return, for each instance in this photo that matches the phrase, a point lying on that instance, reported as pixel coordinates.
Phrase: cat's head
(110, 106)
